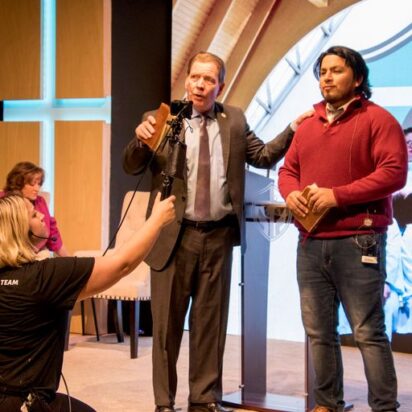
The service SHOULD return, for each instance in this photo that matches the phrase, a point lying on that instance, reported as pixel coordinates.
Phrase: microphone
(181, 108)
(177, 148)
(174, 167)
(52, 238)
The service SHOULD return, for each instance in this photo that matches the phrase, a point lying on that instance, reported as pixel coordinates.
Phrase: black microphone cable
(69, 399)
(138, 183)
(112, 240)
(183, 108)
(52, 238)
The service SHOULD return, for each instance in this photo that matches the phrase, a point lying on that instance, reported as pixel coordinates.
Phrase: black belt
(228, 220)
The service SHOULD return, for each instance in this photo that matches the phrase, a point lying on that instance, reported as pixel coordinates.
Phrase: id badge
(370, 254)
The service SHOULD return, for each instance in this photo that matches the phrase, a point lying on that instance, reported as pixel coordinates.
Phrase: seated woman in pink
(27, 179)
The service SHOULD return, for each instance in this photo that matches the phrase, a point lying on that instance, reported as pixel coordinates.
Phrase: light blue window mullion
(48, 86)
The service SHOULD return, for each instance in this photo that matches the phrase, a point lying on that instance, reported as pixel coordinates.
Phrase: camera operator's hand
(146, 129)
(110, 268)
(163, 211)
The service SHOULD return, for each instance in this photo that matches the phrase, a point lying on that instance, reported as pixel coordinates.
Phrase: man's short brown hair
(206, 57)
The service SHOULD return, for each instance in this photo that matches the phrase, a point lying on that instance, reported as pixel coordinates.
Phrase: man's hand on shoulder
(295, 124)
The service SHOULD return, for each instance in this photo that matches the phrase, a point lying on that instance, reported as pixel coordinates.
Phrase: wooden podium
(254, 281)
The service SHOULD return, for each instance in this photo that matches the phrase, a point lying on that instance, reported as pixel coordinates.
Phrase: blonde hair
(15, 246)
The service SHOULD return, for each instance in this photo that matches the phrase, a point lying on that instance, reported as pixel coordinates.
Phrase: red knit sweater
(362, 156)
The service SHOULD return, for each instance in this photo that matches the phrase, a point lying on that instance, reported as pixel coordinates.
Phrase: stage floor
(103, 375)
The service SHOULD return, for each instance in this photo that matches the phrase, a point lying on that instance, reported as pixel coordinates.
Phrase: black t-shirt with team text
(34, 300)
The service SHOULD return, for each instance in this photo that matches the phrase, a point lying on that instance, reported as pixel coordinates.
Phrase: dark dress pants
(200, 272)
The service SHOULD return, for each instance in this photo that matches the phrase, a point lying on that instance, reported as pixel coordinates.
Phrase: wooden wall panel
(79, 50)
(78, 188)
(18, 142)
(19, 49)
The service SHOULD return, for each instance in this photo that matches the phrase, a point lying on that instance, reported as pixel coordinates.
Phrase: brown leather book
(162, 117)
(312, 219)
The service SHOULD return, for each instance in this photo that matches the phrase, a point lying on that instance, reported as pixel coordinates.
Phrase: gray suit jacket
(240, 146)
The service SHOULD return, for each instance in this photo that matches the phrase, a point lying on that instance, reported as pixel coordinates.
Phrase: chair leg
(66, 339)
(82, 315)
(134, 328)
(96, 326)
(118, 319)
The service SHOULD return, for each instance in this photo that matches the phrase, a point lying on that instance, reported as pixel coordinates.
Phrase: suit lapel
(224, 128)
(182, 139)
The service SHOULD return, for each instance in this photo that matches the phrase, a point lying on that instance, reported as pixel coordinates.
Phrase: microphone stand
(177, 152)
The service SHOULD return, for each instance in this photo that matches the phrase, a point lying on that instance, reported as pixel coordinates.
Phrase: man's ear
(221, 87)
(359, 81)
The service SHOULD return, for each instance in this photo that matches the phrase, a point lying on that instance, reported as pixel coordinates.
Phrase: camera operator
(35, 296)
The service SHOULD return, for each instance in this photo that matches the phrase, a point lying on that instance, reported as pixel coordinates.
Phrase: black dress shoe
(208, 407)
(165, 409)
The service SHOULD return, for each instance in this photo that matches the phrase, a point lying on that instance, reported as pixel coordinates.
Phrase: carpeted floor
(103, 375)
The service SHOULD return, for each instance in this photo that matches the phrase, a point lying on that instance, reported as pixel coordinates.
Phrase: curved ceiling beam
(320, 3)
(289, 21)
(251, 36)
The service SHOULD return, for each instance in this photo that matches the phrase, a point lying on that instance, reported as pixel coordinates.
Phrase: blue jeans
(330, 271)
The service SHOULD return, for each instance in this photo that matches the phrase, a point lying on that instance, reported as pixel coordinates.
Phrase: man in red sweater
(352, 154)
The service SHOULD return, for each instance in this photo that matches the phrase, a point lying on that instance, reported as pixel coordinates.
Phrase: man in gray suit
(192, 257)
